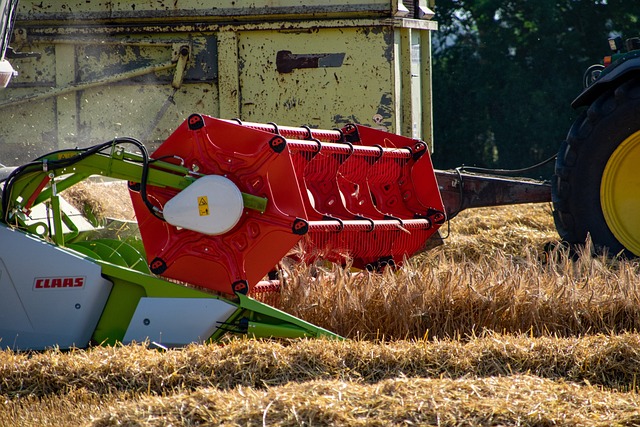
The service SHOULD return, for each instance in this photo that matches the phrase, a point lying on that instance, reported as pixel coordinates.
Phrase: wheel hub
(620, 193)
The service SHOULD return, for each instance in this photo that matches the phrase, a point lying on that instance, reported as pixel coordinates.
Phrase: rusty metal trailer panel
(89, 71)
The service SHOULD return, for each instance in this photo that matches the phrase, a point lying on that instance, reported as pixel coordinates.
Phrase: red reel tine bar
(356, 193)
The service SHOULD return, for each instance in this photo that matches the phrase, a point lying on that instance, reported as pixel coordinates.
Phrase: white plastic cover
(211, 205)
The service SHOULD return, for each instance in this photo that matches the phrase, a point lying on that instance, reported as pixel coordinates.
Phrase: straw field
(497, 326)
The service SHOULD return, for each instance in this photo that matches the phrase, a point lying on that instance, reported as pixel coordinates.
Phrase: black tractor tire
(594, 137)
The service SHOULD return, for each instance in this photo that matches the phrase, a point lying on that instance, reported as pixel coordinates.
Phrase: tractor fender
(618, 72)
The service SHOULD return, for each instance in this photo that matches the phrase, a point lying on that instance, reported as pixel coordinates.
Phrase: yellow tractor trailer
(90, 70)
(243, 129)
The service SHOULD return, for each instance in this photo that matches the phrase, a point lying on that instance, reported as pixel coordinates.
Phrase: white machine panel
(48, 296)
(175, 322)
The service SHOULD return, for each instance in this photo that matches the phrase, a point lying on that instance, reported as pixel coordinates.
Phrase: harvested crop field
(497, 326)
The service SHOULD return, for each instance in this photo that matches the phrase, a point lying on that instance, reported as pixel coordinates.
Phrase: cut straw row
(611, 361)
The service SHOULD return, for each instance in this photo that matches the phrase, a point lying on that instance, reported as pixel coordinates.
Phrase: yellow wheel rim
(620, 193)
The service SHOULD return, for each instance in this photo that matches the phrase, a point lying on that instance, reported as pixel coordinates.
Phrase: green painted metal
(118, 311)
(133, 258)
(114, 251)
(84, 250)
(267, 321)
(261, 330)
(118, 164)
(57, 218)
(252, 317)
(129, 287)
(103, 252)
(253, 202)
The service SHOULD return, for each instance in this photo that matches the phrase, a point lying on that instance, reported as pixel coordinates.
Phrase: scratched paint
(202, 9)
(307, 93)
(343, 60)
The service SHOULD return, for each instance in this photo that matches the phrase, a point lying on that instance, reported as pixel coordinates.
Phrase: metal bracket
(460, 190)
(180, 56)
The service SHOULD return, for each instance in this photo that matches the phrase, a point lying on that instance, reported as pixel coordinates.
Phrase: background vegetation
(506, 71)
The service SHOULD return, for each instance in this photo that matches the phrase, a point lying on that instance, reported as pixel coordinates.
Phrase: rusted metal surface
(460, 191)
(74, 11)
(106, 69)
(286, 61)
(361, 90)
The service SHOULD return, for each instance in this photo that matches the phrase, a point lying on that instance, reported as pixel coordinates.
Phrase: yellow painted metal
(206, 11)
(361, 90)
(106, 69)
(620, 193)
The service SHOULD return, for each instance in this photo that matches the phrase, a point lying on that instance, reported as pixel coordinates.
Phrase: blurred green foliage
(506, 71)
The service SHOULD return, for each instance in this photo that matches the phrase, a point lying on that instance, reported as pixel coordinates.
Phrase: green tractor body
(596, 188)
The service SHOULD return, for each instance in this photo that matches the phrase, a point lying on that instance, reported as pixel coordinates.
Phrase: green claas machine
(218, 202)
(221, 190)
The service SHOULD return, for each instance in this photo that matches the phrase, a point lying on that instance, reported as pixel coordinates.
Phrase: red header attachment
(356, 193)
